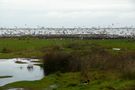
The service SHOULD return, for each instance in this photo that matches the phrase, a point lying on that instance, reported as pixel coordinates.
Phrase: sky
(67, 13)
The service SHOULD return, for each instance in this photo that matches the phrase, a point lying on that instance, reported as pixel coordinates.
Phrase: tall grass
(83, 60)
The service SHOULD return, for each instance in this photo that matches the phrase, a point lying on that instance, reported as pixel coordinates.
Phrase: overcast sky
(67, 13)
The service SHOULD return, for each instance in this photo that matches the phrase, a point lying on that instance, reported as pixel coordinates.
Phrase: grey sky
(68, 13)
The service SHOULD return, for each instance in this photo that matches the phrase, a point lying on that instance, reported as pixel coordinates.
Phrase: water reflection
(20, 70)
(19, 89)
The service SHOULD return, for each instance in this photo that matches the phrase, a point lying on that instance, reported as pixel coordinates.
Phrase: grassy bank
(5, 76)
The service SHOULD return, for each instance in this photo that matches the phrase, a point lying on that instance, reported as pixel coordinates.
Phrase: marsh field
(73, 64)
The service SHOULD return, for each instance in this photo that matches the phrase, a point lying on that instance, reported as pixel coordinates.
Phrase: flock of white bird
(66, 31)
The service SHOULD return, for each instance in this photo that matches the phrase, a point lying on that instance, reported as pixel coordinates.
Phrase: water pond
(19, 69)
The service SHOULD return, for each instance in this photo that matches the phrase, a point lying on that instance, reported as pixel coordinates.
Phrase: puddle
(24, 70)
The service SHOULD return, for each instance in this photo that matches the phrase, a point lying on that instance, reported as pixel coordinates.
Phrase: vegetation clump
(95, 57)
(6, 50)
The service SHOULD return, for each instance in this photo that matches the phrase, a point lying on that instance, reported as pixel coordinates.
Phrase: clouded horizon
(67, 13)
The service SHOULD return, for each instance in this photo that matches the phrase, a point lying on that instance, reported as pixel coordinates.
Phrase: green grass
(71, 81)
(33, 47)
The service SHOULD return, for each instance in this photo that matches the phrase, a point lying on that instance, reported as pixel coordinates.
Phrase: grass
(33, 47)
(71, 81)
(107, 69)
(20, 62)
(5, 76)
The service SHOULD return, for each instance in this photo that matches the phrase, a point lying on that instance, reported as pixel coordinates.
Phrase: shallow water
(19, 71)
(18, 89)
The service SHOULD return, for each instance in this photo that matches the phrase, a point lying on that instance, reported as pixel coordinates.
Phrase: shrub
(56, 61)
(5, 50)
